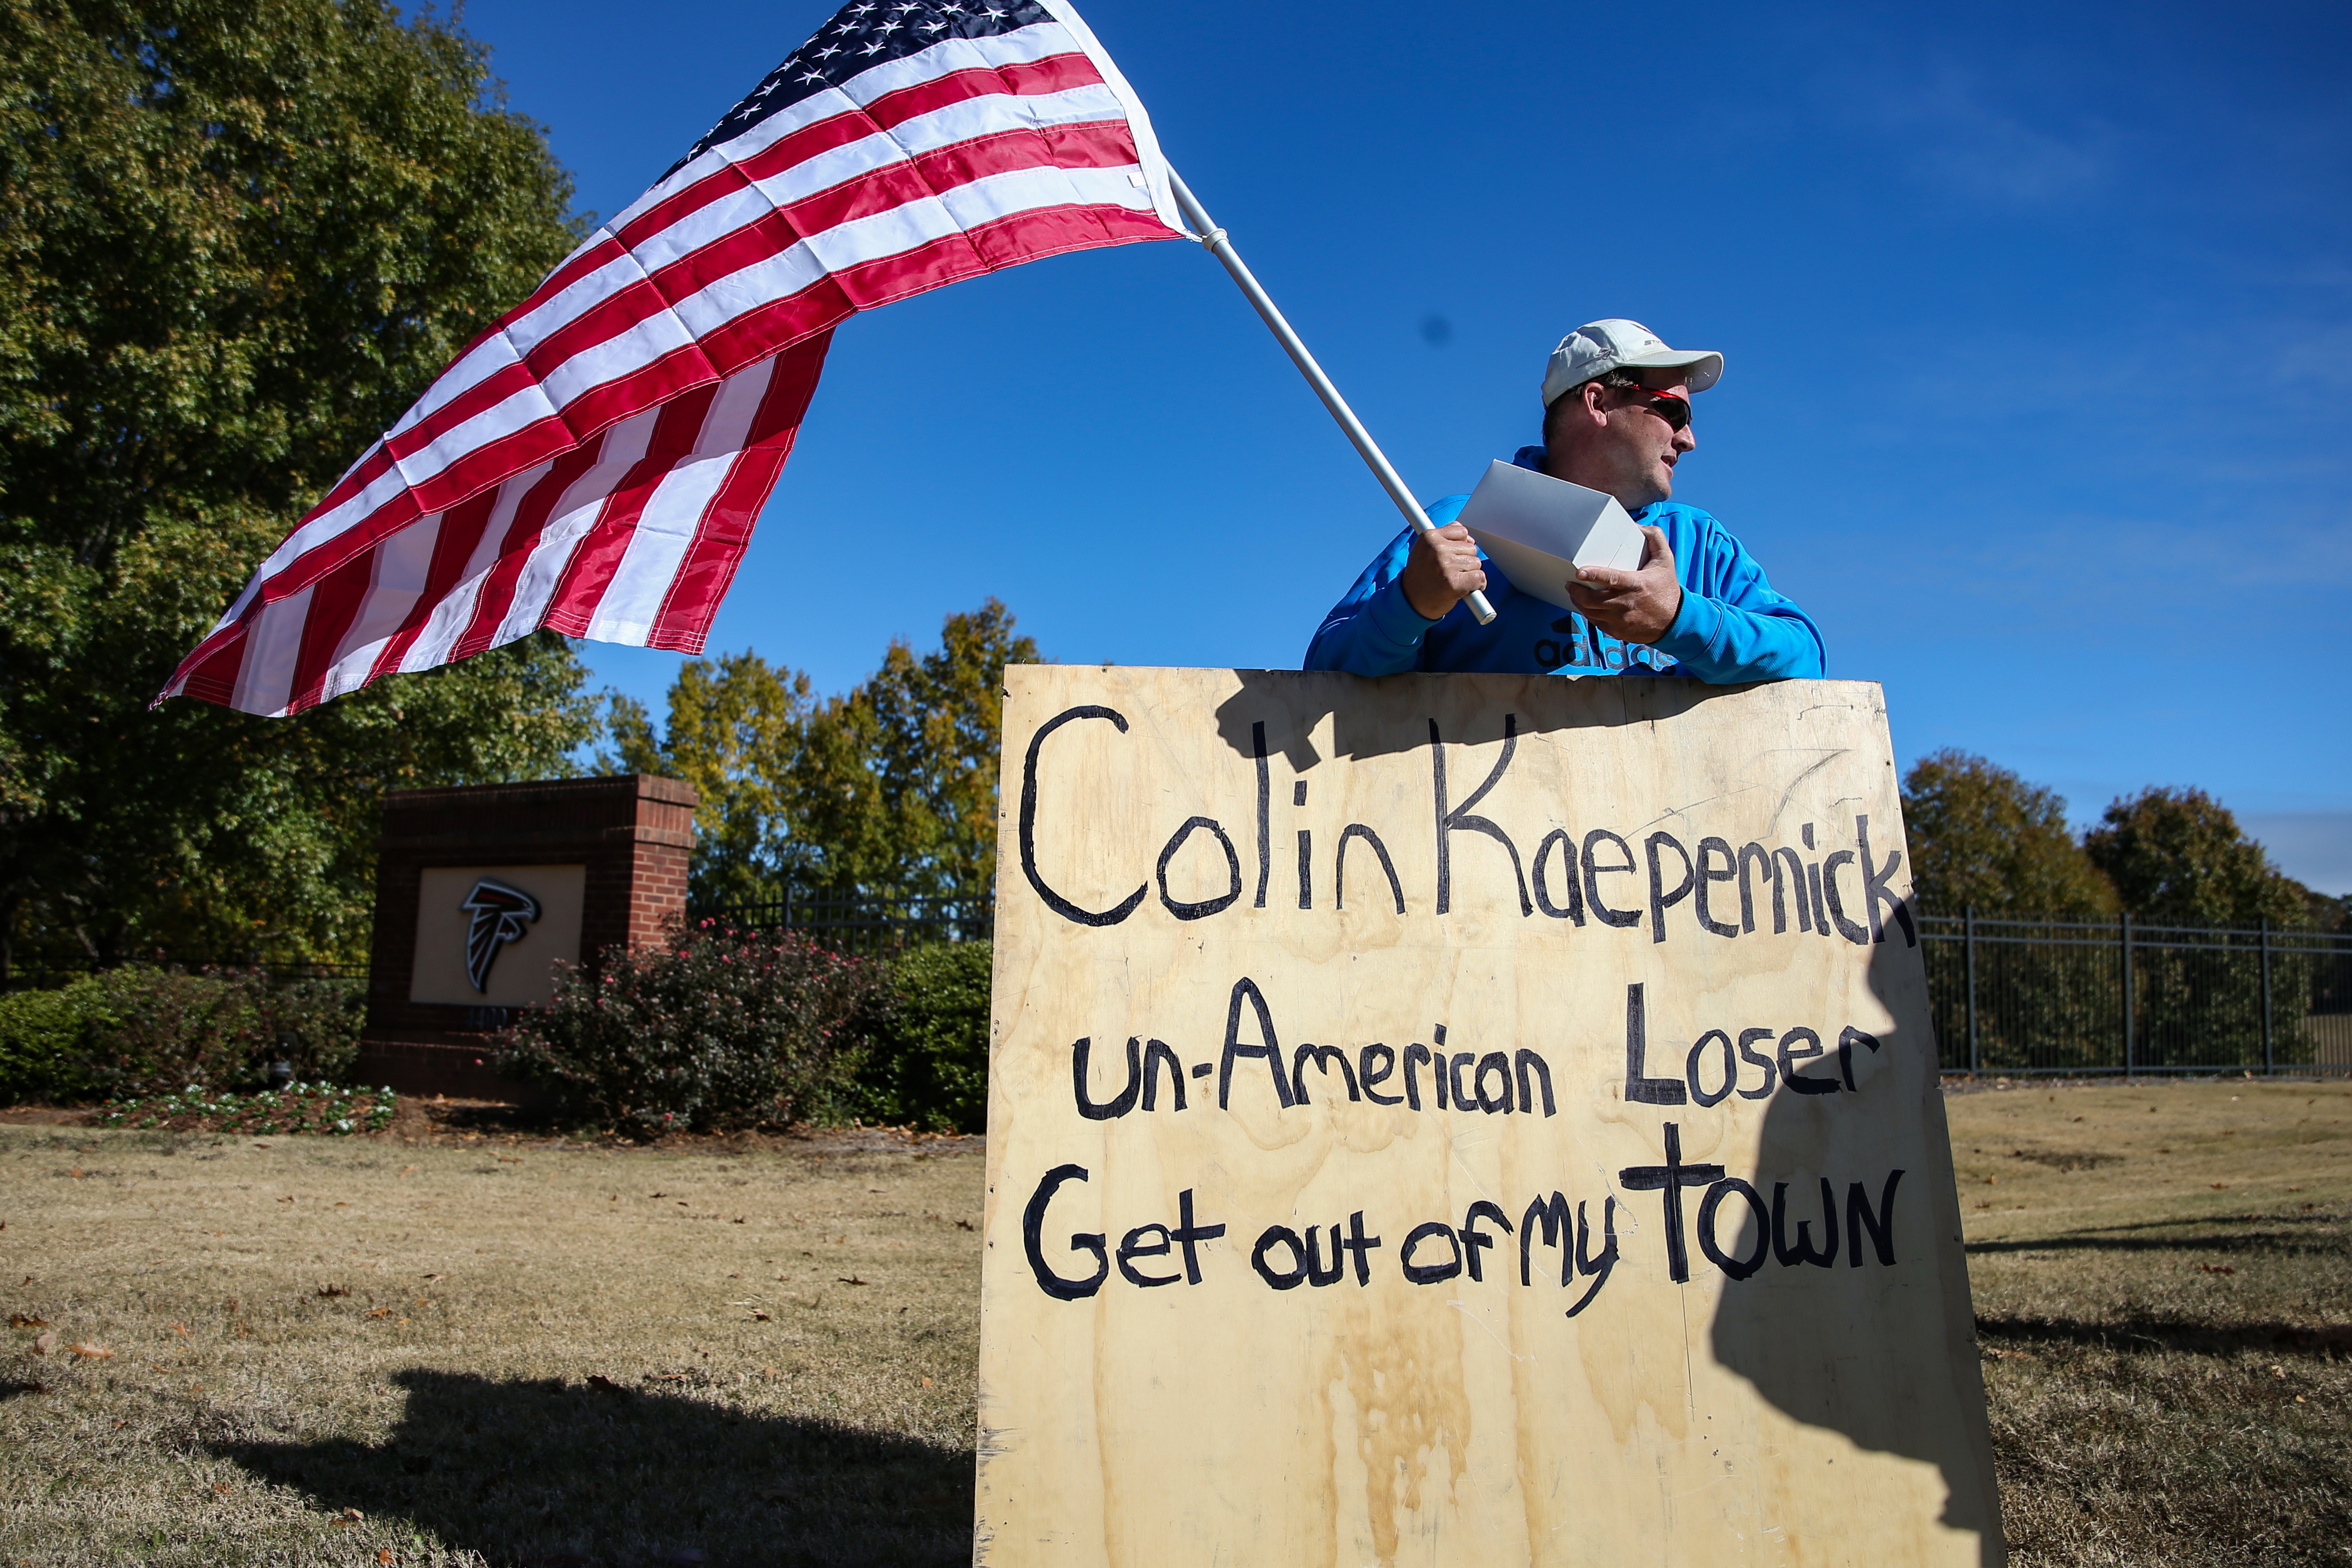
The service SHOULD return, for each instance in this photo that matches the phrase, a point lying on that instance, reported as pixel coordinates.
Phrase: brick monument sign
(481, 890)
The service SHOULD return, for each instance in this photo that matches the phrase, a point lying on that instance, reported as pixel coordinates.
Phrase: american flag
(595, 461)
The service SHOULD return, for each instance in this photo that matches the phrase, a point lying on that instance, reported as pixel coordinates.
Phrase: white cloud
(1961, 138)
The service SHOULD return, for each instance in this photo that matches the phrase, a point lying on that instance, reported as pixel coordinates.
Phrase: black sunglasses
(1671, 407)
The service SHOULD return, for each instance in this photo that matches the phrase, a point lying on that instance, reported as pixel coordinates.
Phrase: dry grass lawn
(363, 1352)
(2163, 1282)
(369, 1350)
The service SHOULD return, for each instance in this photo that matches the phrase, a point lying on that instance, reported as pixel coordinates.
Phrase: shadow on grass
(553, 1474)
(2317, 1216)
(2184, 1335)
(2241, 1241)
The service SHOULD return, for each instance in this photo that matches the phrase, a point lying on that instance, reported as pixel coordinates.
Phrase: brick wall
(633, 833)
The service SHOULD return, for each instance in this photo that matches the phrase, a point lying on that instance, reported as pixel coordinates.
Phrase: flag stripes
(594, 462)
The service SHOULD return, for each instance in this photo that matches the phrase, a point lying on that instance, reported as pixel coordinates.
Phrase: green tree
(1980, 836)
(896, 788)
(2178, 857)
(237, 238)
(736, 727)
(889, 788)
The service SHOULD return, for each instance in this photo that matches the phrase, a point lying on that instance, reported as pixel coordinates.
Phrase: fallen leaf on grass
(349, 1516)
(850, 1279)
(428, 1276)
(737, 1220)
(180, 1328)
(45, 1343)
(2220, 1184)
(381, 1312)
(2218, 1268)
(75, 1173)
(966, 1225)
(927, 1383)
(90, 1352)
(759, 1317)
(221, 1487)
(334, 1290)
(510, 1159)
(19, 1321)
(384, 1557)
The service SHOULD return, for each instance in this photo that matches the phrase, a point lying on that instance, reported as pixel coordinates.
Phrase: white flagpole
(1210, 235)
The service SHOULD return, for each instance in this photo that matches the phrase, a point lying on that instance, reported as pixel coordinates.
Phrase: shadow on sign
(1800, 1327)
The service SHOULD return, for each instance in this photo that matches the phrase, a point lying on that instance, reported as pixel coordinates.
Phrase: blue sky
(2038, 323)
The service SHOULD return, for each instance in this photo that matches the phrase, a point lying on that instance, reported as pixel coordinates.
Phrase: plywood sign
(1465, 1120)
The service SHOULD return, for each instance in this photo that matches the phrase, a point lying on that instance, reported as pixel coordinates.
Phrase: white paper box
(1540, 529)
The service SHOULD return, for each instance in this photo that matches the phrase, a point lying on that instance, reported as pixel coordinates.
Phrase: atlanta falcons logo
(500, 912)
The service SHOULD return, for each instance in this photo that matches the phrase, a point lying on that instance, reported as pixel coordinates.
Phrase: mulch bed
(298, 1108)
(437, 1120)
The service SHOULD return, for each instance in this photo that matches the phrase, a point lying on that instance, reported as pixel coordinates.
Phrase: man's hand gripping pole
(1206, 231)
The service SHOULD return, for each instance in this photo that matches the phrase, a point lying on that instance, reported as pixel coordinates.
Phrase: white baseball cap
(1599, 347)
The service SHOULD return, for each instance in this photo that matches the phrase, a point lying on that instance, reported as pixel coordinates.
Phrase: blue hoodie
(1732, 625)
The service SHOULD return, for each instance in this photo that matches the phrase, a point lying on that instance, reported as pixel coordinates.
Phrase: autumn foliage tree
(1983, 838)
(238, 237)
(2178, 857)
(889, 788)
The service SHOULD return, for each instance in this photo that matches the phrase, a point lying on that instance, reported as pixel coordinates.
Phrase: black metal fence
(2012, 996)
(2078, 998)
(2016, 997)
(863, 926)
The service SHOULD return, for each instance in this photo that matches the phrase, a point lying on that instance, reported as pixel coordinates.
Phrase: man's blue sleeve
(1375, 630)
(1733, 625)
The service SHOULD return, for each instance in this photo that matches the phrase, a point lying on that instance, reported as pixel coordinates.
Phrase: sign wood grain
(1465, 1120)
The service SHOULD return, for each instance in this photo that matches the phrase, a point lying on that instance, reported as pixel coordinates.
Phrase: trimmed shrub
(141, 1029)
(325, 1018)
(715, 1028)
(926, 1056)
(41, 1035)
(147, 1030)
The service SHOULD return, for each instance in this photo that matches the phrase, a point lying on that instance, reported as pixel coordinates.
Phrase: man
(1617, 418)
